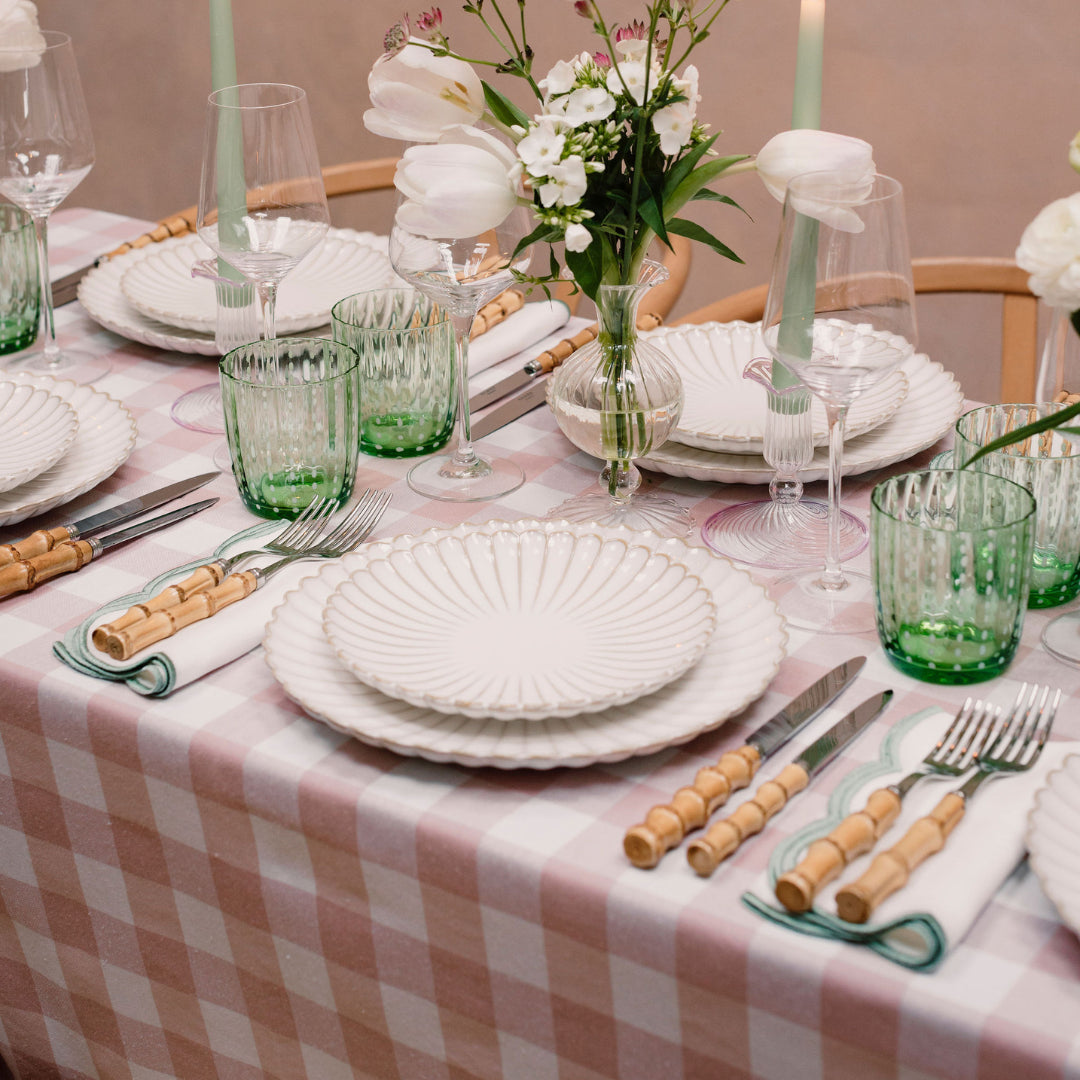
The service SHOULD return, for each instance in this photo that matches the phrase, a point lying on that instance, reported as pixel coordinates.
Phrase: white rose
(461, 186)
(417, 95)
(577, 238)
(791, 153)
(1050, 252)
(21, 42)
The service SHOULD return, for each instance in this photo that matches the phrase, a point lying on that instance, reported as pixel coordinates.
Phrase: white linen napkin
(197, 649)
(919, 923)
(528, 325)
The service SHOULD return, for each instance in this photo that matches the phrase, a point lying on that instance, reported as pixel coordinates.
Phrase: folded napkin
(918, 924)
(197, 649)
(528, 325)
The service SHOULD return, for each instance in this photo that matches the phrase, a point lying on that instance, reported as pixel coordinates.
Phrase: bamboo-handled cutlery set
(981, 743)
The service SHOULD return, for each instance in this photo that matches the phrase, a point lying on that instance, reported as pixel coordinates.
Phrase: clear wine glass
(46, 148)
(463, 274)
(262, 202)
(840, 315)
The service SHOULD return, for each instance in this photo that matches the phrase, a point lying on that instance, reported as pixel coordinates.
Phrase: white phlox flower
(577, 237)
(541, 149)
(688, 85)
(566, 183)
(633, 74)
(560, 79)
(587, 105)
(674, 124)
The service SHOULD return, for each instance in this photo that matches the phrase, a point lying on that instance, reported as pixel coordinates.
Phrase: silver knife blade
(820, 752)
(798, 712)
(66, 288)
(510, 410)
(103, 543)
(506, 385)
(125, 511)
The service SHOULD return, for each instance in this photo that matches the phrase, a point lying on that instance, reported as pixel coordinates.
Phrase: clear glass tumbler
(405, 344)
(1048, 465)
(950, 556)
(20, 286)
(291, 420)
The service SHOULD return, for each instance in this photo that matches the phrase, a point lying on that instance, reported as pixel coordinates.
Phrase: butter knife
(71, 555)
(721, 839)
(46, 539)
(665, 826)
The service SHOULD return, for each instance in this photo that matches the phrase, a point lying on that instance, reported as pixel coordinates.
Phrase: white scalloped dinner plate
(519, 624)
(933, 403)
(726, 413)
(36, 428)
(162, 288)
(100, 294)
(1053, 840)
(740, 660)
(104, 440)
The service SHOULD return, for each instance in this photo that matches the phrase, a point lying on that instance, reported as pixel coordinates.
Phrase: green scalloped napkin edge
(928, 944)
(73, 651)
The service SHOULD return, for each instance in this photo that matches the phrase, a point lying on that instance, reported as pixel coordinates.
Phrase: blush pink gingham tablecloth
(215, 885)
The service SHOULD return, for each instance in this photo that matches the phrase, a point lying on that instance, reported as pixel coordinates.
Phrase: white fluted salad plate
(933, 403)
(162, 288)
(104, 301)
(104, 441)
(726, 413)
(740, 659)
(1053, 840)
(36, 428)
(519, 624)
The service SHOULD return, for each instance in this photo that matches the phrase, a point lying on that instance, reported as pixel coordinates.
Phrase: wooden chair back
(353, 177)
(1019, 320)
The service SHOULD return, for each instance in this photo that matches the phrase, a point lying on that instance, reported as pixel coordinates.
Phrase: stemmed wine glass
(462, 274)
(262, 202)
(839, 332)
(46, 149)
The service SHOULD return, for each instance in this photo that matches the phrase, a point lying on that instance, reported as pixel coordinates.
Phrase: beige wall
(970, 103)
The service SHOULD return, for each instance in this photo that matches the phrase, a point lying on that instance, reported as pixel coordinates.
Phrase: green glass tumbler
(405, 343)
(20, 288)
(1049, 467)
(950, 555)
(290, 417)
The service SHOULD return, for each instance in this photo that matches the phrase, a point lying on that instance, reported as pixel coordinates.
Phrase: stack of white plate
(527, 644)
(149, 295)
(59, 440)
(720, 436)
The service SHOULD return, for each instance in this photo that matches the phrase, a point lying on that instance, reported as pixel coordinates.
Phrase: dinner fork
(300, 533)
(1011, 750)
(952, 755)
(163, 624)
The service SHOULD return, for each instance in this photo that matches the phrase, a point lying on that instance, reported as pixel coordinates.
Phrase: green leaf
(700, 178)
(587, 268)
(542, 234)
(1034, 428)
(503, 109)
(715, 196)
(652, 213)
(685, 165)
(693, 231)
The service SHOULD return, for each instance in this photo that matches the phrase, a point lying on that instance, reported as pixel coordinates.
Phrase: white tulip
(577, 237)
(791, 153)
(1050, 252)
(459, 187)
(417, 95)
(21, 42)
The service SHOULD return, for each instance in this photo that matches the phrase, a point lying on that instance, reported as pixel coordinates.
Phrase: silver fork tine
(296, 527)
(364, 510)
(313, 525)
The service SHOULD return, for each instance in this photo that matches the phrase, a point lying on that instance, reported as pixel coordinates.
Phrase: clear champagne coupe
(839, 332)
(46, 149)
(262, 202)
(462, 274)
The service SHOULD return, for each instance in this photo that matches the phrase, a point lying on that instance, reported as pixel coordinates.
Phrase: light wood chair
(1019, 321)
(354, 177)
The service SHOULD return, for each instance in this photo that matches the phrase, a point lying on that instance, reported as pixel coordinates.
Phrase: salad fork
(1012, 750)
(300, 533)
(202, 605)
(951, 755)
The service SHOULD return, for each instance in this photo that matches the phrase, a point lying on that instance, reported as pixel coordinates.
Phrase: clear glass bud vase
(617, 399)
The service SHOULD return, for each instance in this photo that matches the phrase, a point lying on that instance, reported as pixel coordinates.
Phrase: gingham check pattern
(214, 885)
